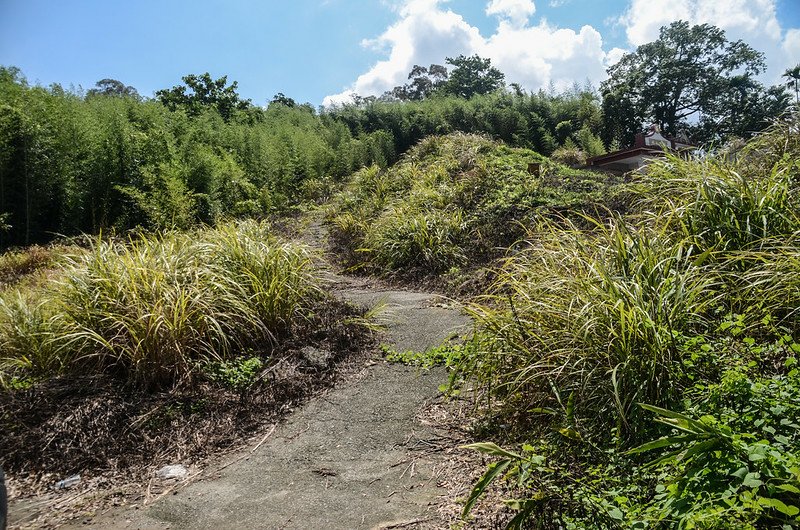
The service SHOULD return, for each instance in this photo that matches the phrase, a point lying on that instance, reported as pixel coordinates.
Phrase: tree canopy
(201, 91)
(688, 72)
(472, 76)
(792, 76)
(112, 87)
(423, 82)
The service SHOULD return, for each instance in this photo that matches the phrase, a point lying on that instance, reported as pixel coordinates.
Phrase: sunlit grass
(150, 308)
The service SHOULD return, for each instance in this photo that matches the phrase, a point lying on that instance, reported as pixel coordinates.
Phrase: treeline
(108, 159)
(542, 121)
(73, 163)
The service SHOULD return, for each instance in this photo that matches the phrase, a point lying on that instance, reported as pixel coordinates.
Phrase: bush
(687, 310)
(150, 308)
(452, 201)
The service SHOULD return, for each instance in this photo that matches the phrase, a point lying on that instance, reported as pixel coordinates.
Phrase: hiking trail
(359, 456)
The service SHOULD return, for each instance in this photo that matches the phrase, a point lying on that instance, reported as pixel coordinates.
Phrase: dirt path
(356, 457)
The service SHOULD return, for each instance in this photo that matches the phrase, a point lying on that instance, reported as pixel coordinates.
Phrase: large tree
(112, 87)
(472, 76)
(688, 73)
(201, 91)
(423, 81)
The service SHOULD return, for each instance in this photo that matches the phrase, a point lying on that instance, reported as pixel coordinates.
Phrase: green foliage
(472, 76)
(424, 81)
(688, 71)
(201, 91)
(112, 87)
(690, 307)
(792, 76)
(453, 201)
(149, 309)
(448, 354)
(236, 374)
(518, 119)
(72, 164)
(736, 466)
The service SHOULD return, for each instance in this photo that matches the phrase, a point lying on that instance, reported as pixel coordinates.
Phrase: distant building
(648, 145)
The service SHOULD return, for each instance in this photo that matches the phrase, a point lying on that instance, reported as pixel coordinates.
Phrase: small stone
(68, 482)
(316, 357)
(176, 471)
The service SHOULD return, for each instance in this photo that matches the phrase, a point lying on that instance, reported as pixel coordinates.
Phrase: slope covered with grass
(136, 351)
(648, 366)
(455, 201)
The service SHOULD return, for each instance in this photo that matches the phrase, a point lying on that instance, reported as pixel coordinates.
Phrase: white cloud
(791, 47)
(613, 56)
(425, 34)
(517, 12)
(537, 54)
(753, 21)
(533, 56)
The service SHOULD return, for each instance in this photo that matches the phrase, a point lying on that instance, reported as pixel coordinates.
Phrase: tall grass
(149, 309)
(616, 314)
(596, 314)
(451, 202)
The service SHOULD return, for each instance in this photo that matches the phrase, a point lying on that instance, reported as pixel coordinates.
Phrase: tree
(200, 92)
(793, 76)
(424, 81)
(472, 76)
(748, 108)
(112, 87)
(689, 71)
(281, 99)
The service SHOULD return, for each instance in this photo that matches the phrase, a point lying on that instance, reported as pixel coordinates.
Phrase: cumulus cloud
(532, 55)
(538, 54)
(791, 47)
(517, 12)
(425, 34)
(753, 21)
(613, 56)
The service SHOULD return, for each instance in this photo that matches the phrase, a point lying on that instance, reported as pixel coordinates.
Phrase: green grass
(455, 201)
(150, 308)
(676, 330)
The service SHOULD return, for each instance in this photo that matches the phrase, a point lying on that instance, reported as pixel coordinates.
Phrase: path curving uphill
(353, 458)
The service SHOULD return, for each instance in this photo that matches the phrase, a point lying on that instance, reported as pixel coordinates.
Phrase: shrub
(148, 309)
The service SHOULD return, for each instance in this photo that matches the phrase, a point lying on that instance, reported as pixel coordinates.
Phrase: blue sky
(313, 49)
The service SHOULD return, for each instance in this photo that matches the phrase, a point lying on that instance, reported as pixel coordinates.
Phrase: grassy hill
(457, 201)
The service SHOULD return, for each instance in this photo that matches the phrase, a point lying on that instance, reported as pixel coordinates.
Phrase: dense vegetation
(648, 316)
(72, 164)
(155, 310)
(684, 315)
(120, 356)
(456, 201)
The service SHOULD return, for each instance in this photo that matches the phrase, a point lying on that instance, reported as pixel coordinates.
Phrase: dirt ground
(376, 451)
(361, 456)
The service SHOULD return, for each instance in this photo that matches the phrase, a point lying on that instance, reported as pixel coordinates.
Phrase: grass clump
(161, 349)
(148, 309)
(454, 201)
(648, 365)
